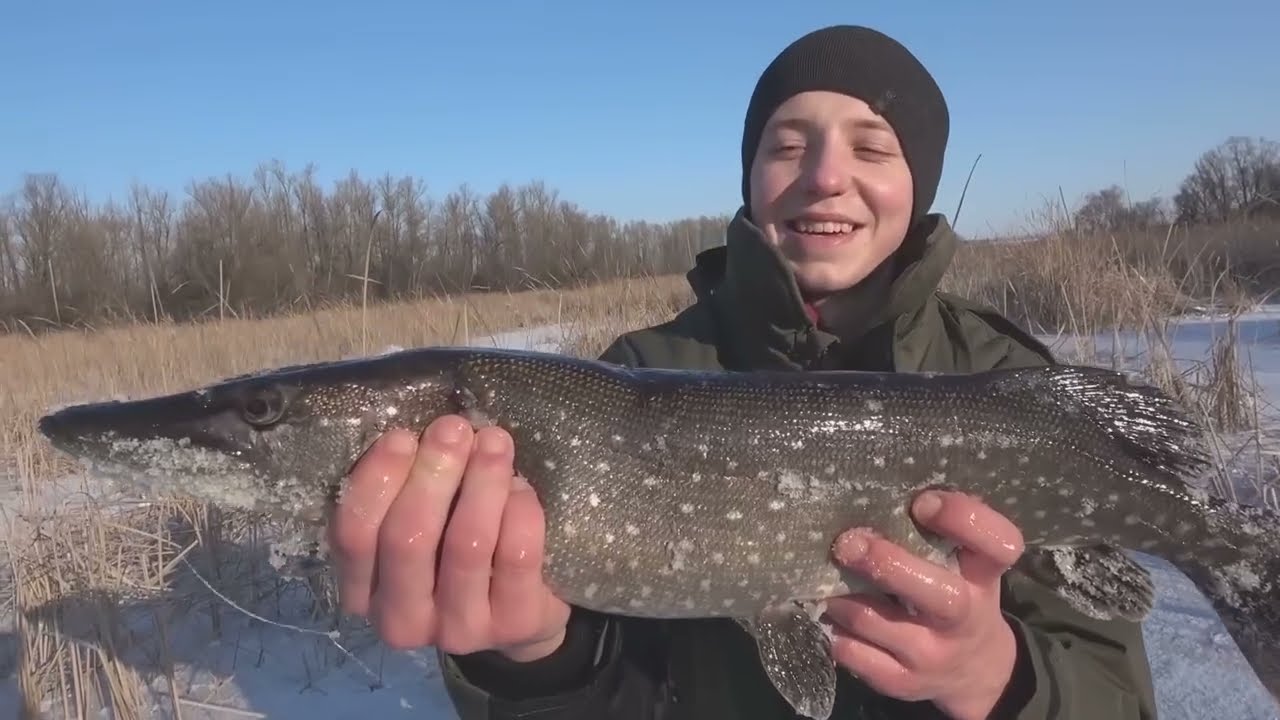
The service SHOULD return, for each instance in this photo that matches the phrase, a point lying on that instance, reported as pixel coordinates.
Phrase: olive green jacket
(749, 314)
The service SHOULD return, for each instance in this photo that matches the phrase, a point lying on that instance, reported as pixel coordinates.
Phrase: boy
(832, 262)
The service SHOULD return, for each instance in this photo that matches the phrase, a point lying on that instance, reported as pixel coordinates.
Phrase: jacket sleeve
(607, 667)
(1070, 666)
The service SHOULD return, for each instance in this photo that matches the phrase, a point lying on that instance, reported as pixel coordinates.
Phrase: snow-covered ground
(252, 669)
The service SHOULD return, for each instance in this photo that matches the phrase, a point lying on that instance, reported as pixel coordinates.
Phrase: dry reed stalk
(1063, 283)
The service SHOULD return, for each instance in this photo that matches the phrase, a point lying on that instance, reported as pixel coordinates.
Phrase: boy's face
(831, 189)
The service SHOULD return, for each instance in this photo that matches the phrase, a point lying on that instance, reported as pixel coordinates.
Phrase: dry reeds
(72, 566)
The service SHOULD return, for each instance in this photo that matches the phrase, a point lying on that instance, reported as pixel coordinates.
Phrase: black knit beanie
(874, 68)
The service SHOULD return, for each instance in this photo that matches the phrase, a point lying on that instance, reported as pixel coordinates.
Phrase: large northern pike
(682, 494)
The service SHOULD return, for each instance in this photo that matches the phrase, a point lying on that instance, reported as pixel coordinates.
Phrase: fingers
(879, 669)
(467, 552)
(885, 624)
(990, 543)
(410, 533)
(933, 590)
(516, 588)
(373, 484)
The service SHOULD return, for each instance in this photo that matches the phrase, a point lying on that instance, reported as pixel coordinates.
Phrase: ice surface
(266, 671)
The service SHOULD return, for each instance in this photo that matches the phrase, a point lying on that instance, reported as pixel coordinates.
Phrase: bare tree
(1239, 178)
(1109, 210)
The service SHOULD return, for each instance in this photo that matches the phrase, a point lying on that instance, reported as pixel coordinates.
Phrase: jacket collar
(766, 321)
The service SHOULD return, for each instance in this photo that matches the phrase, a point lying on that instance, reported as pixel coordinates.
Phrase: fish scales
(714, 494)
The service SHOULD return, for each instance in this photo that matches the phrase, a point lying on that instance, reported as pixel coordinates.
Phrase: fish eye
(264, 407)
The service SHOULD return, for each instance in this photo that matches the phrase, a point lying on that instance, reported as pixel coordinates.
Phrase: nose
(830, 169)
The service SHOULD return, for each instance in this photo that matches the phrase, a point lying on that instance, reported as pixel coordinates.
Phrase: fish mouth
(106, 430)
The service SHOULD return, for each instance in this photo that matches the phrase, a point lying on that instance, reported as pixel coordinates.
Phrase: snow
(254, 669)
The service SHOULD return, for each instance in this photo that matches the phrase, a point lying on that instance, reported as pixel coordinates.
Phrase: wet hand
(463, 579)
(956, 650)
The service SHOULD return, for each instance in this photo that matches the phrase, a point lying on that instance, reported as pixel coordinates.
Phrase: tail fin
(1246, 591)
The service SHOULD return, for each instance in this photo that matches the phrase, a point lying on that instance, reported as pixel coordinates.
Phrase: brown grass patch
(73, 565)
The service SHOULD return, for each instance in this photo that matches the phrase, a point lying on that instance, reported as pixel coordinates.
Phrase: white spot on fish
(780, 537)
(696, 477)
(632, 529)
(591, 590)
(575, 441)
(549, 464)
(602, 467)
(875, 405)
(733, 515)
(753, 558)
(608, 538)
(815, 536)
(877, 461)
(776, 504)
(537, 435)
(717, 558)
(938, 477)
(830, 469)
(686, 508)
(650, 481)
(727, 602)
(908, 460)
(645, 591)
(705, 584)
(594, 499)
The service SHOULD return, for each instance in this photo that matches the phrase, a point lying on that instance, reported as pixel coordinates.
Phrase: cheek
(889, 194)
(768, 182)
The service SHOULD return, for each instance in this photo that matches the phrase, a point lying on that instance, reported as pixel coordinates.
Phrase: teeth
(822, 228)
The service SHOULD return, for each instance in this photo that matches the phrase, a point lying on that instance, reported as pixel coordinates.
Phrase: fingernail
(493, 442)
(450, 431)
(851, 547)
(927, 505)
(519, 483)
(399, 442)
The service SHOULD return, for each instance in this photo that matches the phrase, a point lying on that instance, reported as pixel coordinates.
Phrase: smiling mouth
(824, 227)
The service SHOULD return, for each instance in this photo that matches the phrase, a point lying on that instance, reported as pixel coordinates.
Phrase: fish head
(279, 442)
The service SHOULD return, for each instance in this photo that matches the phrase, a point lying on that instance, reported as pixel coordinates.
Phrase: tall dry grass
(74, 564)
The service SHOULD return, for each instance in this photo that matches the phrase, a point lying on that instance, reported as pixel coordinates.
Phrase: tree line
(1239, 179)
(278, 241)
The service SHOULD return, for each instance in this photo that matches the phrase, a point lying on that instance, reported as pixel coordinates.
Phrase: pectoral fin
(795, 650)
(1100, 581)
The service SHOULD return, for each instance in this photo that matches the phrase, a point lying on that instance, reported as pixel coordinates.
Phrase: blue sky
(629, 109)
